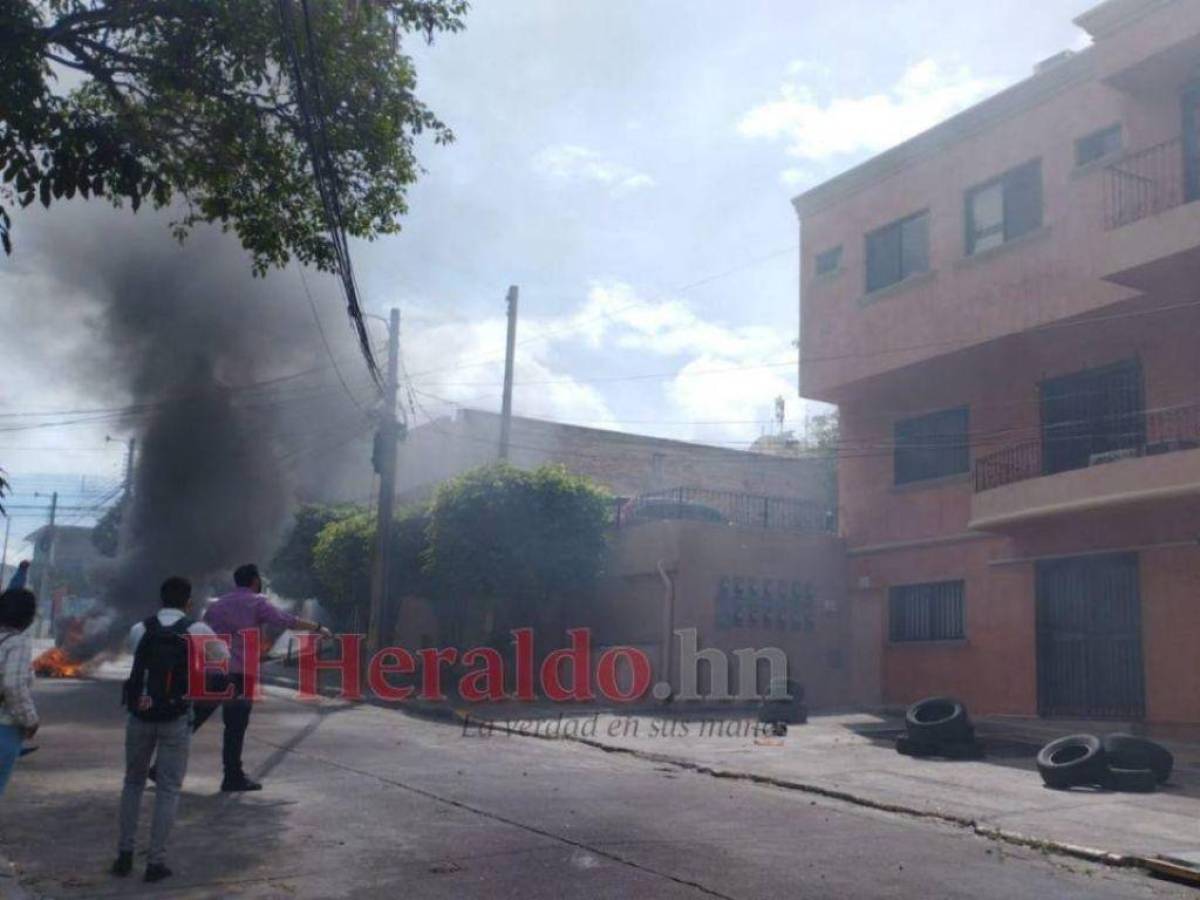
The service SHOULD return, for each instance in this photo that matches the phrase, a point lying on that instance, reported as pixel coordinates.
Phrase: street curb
(1063, 848)
(443, 713)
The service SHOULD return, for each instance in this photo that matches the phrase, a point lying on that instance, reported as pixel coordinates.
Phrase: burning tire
(1073, 761)
(1126, 751)
(938, 720)
(57, 663)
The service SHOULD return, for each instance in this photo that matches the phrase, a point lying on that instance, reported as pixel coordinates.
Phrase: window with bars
(927, 612)
(897, 251)
(932, 446)
(1004, 208)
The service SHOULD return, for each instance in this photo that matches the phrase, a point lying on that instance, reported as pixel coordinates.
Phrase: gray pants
(172, 739)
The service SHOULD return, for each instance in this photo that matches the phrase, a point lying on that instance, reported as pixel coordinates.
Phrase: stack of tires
(939, 726)
(1118, 762)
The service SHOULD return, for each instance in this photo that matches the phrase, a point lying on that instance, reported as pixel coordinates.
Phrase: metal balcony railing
(1145, 184)
(1149, 433)
(728, 508)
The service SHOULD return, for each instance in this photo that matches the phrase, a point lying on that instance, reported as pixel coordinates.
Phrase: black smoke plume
(232, 398)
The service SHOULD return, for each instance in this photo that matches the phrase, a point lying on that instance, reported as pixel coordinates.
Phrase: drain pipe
(668, 621)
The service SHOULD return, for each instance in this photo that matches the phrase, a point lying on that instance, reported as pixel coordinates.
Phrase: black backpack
(160, 672)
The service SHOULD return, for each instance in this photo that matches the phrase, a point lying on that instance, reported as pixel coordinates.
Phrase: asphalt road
(367, 802)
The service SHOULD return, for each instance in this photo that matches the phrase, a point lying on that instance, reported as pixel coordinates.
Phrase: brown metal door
(1089, 633)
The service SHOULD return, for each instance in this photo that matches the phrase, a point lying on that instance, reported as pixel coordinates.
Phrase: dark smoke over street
(231, 397)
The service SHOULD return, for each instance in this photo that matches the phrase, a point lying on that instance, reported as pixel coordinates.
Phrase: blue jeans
(10, 749)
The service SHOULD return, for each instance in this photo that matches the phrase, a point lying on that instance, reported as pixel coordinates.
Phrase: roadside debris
(1119, 762)
(789, 709)
(939, 726)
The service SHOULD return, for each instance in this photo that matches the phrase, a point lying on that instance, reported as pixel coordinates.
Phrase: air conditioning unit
(1099, 459)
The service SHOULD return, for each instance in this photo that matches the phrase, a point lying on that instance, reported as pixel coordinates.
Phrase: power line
(312, 305)
(808, 359)
(608, 314)
(325, 174)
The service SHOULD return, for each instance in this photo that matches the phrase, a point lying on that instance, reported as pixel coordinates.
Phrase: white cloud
(819, 129)
(573, 163)
(730, 390)
(456, 364)
(754, 363)
(794, 177)
(616, 313)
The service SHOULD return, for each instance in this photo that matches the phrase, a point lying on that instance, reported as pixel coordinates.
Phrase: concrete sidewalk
(853, 757)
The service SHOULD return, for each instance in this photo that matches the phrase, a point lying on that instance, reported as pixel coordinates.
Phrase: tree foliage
(494, 539)
(343, 549)
(196, 102)
(342, 562)
(504, 537)
(292, 570)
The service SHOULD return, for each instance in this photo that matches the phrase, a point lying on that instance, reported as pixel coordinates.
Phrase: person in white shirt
(18, 715)
(160, 718)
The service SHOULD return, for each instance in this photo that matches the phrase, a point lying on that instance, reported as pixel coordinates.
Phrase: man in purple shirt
(244, 609)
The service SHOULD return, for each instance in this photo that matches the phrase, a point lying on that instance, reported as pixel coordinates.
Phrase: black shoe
(123, 865)
(157, 872)
(230, 785)
(25, 751)
(152, 773)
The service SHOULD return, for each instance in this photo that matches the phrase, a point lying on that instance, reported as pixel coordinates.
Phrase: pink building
(1006, 309)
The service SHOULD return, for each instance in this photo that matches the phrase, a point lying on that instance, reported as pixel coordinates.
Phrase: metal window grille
(927, 612)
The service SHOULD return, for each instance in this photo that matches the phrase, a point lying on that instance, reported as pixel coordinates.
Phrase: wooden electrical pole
(130, 448)
(506, 406)
(385, 464)
(129, 468)
(47, 566)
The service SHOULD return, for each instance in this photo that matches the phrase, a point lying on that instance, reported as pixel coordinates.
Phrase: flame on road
(57, 663)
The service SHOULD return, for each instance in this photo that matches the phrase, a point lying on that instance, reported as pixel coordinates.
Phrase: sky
(628, 164)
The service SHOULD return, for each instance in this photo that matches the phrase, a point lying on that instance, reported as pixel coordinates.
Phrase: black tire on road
(1127, 751)
(938, 720)
(1073, 761)
(906, 746)
(1138, 781)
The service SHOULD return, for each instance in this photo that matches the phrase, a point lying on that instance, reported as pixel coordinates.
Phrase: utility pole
(4, 558)
(506, 406)
(48, 565)
(385, 464)
(129, 469)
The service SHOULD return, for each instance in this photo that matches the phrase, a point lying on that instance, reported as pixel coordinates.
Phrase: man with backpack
(160, 718)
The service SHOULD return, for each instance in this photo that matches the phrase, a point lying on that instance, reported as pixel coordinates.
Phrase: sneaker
(123, 864)
(230, 785)
(157, 872)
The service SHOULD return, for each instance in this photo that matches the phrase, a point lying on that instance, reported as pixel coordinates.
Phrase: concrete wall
(697, 556)
(626, 464)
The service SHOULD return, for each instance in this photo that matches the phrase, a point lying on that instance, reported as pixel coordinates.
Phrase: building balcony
(1156, 458)
(1152, 226)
